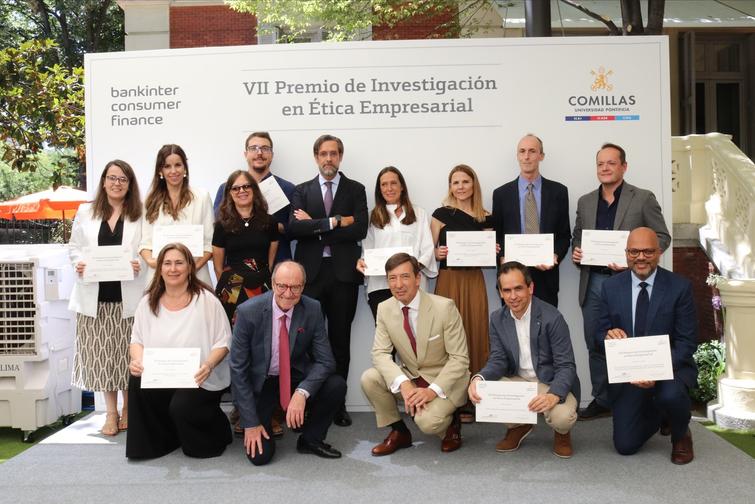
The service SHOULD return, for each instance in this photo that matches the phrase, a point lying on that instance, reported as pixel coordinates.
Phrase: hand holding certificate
(601, 247)
(376, 258)
(274, 195)
(191, 235)
(170, 367)
(506, 402)
(470, 248)
(107, 264)
(644, 358)
(530, 249)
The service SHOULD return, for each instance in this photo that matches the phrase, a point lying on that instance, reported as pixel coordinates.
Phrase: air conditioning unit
(37, 335)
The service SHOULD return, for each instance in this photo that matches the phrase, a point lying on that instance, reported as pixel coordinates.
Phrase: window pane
(727, 110)
(727, 57)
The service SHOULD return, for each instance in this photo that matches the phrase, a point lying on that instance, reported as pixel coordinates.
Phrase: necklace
(246, 221)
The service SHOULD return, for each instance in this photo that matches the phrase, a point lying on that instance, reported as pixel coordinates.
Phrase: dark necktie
(328, 202)
(641, 311)
(408, 329)
(531, 220)
(284, 365)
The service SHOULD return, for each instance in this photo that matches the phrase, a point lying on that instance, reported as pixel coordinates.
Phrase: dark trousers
(321, 408)
(339, 304)
(374, 298)
(637, 412)
(161, 420)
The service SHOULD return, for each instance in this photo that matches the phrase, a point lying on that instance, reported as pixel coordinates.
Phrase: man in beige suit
(427, 333)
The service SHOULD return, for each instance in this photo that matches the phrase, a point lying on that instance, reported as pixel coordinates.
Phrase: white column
(147, 24)
(736, 388)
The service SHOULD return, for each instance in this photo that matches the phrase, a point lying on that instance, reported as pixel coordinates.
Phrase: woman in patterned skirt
(105, 310)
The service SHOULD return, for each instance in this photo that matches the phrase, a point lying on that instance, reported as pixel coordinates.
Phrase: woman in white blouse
(172, 201)
(395, 222)
(179, 311)
(105, 310)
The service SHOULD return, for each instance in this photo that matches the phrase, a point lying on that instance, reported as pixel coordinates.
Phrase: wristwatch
(338, 220)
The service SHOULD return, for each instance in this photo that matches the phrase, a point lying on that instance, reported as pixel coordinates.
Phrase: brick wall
(215, 25)
(692, 263)
(419, 27)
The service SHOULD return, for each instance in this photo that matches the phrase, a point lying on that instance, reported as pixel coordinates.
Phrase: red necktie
(284, 365)
(408, 329)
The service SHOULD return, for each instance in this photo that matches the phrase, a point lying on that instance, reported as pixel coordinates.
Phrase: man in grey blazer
(281, 354)
(616, 205)
(529, 341)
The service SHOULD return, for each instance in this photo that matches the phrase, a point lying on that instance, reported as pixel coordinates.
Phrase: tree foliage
(77, 26)
(54, 168)
(41, 105)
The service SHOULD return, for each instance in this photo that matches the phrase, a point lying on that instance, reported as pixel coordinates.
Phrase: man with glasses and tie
(533, 204)
(648, 300)
(258, 151)
(281, 356)
(329, 219)
(616, 205)
(428, 336)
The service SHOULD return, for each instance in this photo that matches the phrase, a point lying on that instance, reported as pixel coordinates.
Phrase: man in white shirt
(529, 340)
(427, 334)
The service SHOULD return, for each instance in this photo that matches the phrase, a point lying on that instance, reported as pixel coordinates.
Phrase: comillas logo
(602, 100)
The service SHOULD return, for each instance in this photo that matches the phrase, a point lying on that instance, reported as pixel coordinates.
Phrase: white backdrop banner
(422, 106)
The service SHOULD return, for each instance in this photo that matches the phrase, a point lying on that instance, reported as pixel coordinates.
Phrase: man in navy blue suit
(642, 301)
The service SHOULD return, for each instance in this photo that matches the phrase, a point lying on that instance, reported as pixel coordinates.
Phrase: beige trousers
(561, 417)
(434, 419)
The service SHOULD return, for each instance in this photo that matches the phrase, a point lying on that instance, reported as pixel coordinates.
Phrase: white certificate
(638, 359)
(601, 247)
(470, 248)
(170, 367)
(506, 401)
(529, 249)
(274, 195)
(191, 235)
(107, 264)
(376, 258)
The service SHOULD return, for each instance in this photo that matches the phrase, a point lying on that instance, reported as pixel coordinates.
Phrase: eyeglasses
(259, 148)
(238, 188)
(281, 288)
(648, 252)
(114, 179)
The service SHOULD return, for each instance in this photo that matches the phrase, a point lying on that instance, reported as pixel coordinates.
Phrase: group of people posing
(286, 322)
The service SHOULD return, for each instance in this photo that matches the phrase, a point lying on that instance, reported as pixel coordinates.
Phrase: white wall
(533, 79)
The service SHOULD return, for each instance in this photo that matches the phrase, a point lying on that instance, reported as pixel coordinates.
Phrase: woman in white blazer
(171, 201)
(105, 310)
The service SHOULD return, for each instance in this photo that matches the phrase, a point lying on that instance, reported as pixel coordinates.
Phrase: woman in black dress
(244, 243)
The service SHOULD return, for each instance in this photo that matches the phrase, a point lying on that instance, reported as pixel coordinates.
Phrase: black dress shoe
(318, 448)
(593, 411)
(342, 418)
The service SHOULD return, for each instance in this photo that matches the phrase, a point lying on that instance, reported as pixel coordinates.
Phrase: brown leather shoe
(452, 440)
(514, 437)
(395, 441)
(562, 445)
(681, 450)
(276, 427)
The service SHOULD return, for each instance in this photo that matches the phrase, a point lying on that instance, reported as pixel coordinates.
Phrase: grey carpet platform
(79, 465)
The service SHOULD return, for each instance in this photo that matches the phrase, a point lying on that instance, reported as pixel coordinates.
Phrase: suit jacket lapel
(267, 328)
(656, 299)
(513, 202)
(513, 341)
(340, 195)
(627, 194)
(534, 333)
(592, 210)
(316, 205)
(625, 309)
(424, 323)
(297, 321)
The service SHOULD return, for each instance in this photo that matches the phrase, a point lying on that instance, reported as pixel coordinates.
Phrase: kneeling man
(648, 300)
(529, 341)
(427, 333)
(281, 355)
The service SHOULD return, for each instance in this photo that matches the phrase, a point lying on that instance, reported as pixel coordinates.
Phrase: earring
(186, 174)
(161, 177)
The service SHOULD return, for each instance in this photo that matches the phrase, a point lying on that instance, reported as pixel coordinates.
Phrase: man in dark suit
(281, 355)
(616, 205)
(547, 202)
(529, 341)
(329, 218)
(258, 152)
(649, 300)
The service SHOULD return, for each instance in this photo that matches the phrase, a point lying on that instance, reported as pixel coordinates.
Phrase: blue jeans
(590, 317)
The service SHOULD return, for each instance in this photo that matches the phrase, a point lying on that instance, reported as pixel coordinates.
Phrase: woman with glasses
(171, 201)
(395, 222)
(244, 243)
(179, 311)
(105, 310)
(462, 210)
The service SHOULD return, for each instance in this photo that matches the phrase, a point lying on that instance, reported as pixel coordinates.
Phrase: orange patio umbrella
(61, 203)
